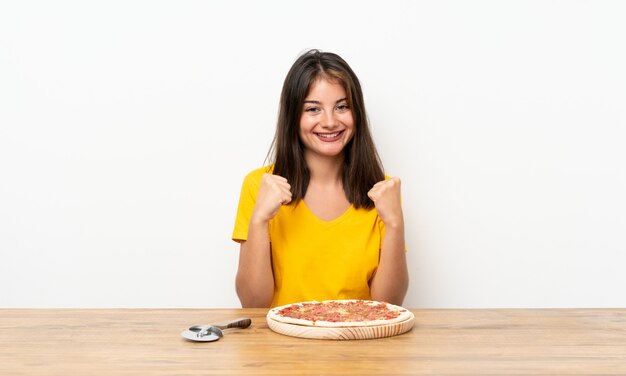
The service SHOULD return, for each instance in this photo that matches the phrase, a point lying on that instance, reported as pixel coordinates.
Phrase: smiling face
(326, 124)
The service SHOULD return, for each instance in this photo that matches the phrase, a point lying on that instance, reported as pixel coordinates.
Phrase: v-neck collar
(322, 222)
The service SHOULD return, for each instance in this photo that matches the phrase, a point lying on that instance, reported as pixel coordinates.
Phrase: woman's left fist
(387, 199)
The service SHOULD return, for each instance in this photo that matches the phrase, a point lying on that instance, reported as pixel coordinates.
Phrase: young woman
(322, 221)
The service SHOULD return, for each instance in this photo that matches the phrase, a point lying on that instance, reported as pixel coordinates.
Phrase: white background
(126, 128)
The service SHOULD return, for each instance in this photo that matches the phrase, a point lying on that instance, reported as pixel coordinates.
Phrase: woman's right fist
(274, 191)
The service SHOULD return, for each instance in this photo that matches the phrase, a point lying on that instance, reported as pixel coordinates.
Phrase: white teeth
(328, 135)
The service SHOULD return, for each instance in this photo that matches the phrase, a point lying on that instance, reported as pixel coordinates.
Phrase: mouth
(329, 137)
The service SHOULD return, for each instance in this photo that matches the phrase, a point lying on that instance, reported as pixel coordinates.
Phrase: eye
(311, 109)
(343, 107)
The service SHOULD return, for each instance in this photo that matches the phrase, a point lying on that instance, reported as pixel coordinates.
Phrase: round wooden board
(342, 333)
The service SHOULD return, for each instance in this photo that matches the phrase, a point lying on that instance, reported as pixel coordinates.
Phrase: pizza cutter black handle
(242, 323)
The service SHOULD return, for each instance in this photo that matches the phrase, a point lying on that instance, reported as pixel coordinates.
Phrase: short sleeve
(247, 199)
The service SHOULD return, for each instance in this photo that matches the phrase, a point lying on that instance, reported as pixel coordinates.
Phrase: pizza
(339, 313)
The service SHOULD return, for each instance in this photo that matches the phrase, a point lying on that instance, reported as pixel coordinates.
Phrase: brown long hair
(362, 166)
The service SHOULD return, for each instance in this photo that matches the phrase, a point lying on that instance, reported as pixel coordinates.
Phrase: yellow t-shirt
(314, 259)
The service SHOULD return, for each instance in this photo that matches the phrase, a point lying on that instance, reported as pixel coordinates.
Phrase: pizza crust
(404, 315)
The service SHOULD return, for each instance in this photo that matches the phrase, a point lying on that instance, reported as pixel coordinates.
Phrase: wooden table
(148, 342)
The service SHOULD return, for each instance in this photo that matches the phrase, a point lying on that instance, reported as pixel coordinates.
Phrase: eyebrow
(318, 102)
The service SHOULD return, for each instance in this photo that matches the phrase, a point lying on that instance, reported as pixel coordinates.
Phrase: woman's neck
(325, 169)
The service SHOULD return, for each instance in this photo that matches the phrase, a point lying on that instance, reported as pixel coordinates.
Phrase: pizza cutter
(209, 333)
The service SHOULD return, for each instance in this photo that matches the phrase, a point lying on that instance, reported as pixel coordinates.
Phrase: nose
(329, 120)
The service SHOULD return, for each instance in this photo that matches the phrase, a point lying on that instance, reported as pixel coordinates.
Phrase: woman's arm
(255, 279)
(391, 280)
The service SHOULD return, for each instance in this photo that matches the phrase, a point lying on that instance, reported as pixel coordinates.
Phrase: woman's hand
(255, 280)
(387, 199)
(274, 191)
(391, 280)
